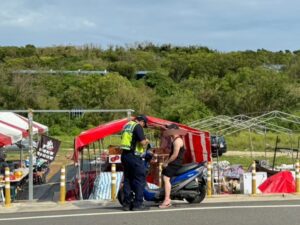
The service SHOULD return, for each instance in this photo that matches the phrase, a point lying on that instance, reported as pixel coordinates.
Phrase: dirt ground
(47, 191)
(61, 159)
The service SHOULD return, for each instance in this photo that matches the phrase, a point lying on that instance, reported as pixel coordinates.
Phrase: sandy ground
(46, 192)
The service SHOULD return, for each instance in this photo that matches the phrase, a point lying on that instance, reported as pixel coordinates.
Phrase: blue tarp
(102, 186)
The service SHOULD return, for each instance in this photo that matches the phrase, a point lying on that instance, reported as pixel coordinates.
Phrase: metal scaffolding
(274, 121)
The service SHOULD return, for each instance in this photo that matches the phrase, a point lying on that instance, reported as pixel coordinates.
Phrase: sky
(222, 25)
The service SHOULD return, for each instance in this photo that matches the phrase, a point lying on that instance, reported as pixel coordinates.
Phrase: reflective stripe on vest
(127, 138)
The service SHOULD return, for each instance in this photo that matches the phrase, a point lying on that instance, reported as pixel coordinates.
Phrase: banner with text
(47, 148)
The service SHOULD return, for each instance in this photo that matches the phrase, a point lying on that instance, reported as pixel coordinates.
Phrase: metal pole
(79, 182)
(21, 156)
(129, 114)
(265, 140)
(253, 178)
(30, 183)
(70, 110)
(298, 147)
(251, 145)
(275, 151)
(291, 141)
(219, 185)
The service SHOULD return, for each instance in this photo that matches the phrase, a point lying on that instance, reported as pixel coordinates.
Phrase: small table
(17, 183)
(25, 172)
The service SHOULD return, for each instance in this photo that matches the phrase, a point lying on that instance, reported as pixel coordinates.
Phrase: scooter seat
(186, 167)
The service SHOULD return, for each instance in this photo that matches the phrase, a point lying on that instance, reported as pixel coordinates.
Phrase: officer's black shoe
(141, 208)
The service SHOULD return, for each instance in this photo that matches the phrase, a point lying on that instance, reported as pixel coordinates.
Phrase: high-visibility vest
(127, 138)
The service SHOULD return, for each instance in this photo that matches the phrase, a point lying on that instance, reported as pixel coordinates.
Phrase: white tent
(21, 122)
(16, 127)
(11, 135)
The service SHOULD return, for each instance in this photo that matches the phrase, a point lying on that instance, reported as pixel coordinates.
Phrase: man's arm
(145, 142)
(141, 136)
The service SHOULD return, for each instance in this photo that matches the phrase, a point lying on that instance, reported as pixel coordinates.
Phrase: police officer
(133, 143)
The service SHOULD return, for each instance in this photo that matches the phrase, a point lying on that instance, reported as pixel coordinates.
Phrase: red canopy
(4, 140)
(282, 182)
(197, 142)
(97, 133)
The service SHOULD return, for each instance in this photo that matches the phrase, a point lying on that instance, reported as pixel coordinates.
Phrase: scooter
(189, 184)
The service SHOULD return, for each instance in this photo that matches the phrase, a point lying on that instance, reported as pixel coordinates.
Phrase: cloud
(33, 15)
(13, 15)
(219, 24)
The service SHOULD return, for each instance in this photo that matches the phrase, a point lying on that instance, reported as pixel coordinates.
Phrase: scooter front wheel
(120, 196)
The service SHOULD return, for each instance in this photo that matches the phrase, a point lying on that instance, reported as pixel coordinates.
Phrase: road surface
(240, 213)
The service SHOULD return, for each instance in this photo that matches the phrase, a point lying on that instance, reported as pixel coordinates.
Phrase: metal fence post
(30, 182)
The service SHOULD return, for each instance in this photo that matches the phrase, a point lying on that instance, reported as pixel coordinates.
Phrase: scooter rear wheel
(200, 197)
(120, 196)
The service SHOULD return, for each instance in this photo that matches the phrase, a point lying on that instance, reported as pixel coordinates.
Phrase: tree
(123, 68)
(161, 83)
(183, 107)
(179, 68)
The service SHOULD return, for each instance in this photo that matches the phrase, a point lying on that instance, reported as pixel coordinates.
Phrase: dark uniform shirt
(137, 136)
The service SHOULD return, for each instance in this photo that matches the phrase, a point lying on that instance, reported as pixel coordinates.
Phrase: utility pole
(30, 191)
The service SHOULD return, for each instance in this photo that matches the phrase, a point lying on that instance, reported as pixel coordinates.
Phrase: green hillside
(181, 83)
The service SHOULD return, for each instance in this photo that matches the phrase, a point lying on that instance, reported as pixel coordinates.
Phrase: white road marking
(150, 211)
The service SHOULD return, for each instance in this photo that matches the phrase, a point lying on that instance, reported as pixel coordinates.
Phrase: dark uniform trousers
(134, 178)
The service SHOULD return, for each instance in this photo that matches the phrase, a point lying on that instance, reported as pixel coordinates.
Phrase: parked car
(218, 145)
